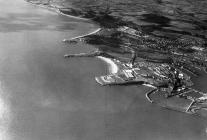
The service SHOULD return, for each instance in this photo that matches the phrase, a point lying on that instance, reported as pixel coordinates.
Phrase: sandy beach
(46, 97)
(112, 67)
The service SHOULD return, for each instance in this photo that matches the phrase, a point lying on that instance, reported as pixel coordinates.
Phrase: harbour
(45, 96)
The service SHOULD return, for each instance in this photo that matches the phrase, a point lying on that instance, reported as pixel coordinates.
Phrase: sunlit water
(46, 97)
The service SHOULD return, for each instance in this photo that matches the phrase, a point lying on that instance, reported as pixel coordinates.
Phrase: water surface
(46, 97)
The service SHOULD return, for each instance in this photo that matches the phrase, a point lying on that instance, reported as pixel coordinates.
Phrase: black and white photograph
(103, 69)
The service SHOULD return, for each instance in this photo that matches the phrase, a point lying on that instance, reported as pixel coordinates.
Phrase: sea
(44, 96)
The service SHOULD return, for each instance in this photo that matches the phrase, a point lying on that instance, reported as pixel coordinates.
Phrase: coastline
(115, 38)
(112, 67)
(81, 36)
(47, 96)
(57, 10)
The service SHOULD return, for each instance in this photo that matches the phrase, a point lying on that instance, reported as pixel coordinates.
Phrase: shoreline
(57, 10)
(81, 36)
(112, 27)
(112, 67)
